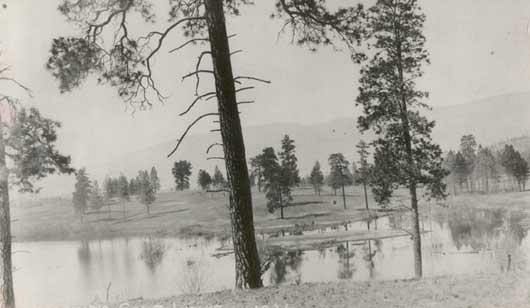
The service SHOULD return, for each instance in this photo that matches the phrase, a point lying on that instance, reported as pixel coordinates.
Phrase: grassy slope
(179, 214)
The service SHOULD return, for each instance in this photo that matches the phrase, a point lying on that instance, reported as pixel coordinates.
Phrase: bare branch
(188, 129)
(236, 52)
(19, 84)
(196, 73)
(244, 89)
(252, 78)
(203, 39)
(245, 102)
(197, 67)
(189, 42)
(198, 98)
(215, 157)
(165, 33)
(213, 145)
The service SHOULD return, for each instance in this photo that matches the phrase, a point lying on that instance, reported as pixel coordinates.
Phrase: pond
(60, 274)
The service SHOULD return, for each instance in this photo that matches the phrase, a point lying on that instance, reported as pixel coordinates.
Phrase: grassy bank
(193, 213)
(502, 290)
(183, 214)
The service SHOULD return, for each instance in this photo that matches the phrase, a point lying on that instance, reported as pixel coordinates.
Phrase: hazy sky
(479, 48)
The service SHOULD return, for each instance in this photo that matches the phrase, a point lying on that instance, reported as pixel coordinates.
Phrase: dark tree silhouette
(339, 175)
(82, 192)
(289, 174)
(272, 175)
(182, 171)
(204, 179)
(256, 170)
(123, 193)
(146, 190)
(515, 166)
(155, 181)
(316, 178)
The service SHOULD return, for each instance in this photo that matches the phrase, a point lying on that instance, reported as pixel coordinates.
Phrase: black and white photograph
(264, 153)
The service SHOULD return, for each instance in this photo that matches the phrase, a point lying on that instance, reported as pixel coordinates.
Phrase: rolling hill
(491, 120)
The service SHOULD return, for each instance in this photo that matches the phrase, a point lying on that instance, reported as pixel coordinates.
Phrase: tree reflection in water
(346, 268)
(498, 230)
(286, 266)
(153, 251)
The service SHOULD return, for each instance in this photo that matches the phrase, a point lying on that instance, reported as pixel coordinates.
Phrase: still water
(60, 274)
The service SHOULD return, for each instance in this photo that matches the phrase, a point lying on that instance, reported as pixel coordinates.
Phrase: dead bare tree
(127, 66)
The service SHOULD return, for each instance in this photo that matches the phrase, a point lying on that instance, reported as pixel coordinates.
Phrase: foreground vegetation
(503, 290)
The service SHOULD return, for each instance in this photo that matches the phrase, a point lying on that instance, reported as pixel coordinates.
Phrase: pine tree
(468, 148)
(218, 179)
(146, 191)
(316, 178)
(204, 180)
(81, 195)
(404, 152)
(340, 175)
(123, 193)
(289, 174)
(515, 166)
(449, 165)
(133, 186)
(96, 198)
(155, 181)
(363, 172)
(272, 178)
(182, 172)
(256, 170)
(485, 167)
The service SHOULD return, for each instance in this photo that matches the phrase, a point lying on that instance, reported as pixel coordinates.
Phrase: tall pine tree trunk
(412, 170)
(7, 296)
(365, 196)
(416, 235)
(343, 196)
(281, 204)
(248, 271)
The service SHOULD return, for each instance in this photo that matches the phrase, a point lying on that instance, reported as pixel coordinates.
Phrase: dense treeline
(474, 168)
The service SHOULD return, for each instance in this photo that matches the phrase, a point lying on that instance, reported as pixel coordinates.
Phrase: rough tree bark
(7, 297)
(248, 272)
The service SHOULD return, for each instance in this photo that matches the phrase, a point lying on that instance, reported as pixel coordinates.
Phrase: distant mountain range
(492, 120)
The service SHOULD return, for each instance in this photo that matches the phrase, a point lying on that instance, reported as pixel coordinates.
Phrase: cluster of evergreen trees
(277, 175)
(474, 168)
(206, 181)
(89, 194)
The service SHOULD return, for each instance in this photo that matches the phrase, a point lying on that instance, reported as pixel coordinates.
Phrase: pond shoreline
(482, 290)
